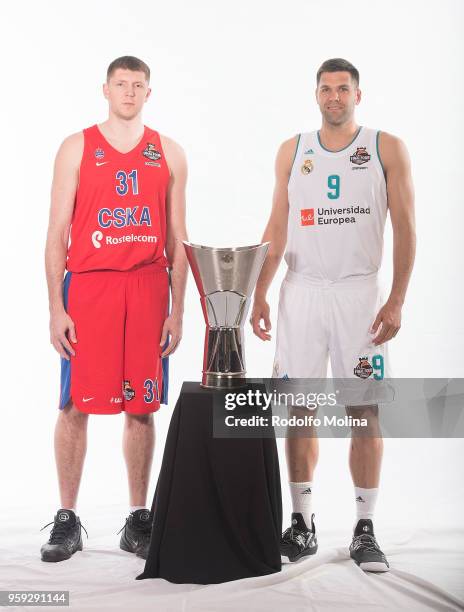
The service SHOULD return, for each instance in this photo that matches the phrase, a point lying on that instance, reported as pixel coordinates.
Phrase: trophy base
(213, 380)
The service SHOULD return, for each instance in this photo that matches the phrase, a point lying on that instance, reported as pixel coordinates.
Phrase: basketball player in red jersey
(117, 221)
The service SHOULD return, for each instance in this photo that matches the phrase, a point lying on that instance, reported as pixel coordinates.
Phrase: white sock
(302, 498)
(135, 508)
(72, 509)
(365, 502)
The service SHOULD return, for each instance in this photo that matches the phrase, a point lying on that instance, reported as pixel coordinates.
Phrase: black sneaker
(137, 532)
(65, 537)
(364, 548)
(298, 541)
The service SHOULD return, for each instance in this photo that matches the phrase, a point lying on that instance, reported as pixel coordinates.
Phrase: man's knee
(363, 412)
(365, 421)
(302, 446)
(139, 420)
(71, 413)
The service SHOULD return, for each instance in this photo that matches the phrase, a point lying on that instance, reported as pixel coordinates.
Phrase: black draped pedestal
(217, 507)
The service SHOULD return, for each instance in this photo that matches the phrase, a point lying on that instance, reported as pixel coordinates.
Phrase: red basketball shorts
(118, 317)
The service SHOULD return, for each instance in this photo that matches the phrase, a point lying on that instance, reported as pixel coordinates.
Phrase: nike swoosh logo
(101, 163)
(87, 399)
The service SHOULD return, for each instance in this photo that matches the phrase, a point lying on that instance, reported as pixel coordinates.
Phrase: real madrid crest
(307, 166)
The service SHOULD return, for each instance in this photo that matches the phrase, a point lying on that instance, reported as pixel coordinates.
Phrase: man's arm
(176, 232)
(63, 193)
(276, 234)
(400, 192)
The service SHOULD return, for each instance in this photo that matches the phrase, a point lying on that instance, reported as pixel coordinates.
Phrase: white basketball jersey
(337, 208)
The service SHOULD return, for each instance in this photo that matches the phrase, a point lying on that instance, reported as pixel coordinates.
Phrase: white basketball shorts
(319, 319)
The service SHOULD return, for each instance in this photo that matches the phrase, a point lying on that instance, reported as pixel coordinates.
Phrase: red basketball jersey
(119, 218)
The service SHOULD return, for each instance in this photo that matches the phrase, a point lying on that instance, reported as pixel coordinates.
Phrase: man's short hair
(338, 64)
(128, 62)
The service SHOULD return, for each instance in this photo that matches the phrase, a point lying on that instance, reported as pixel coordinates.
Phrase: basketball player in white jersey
(333, 189)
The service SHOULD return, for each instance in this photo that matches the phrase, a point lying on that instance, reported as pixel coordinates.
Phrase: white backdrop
(230, 82)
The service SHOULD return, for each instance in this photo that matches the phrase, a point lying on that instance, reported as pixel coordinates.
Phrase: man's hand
(60, 325)
(261, 311)
(172, 328)
(389, 317)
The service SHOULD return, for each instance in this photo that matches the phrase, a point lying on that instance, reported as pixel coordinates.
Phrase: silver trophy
(225, 278)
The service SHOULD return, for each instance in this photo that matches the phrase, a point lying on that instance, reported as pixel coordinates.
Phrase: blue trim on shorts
(165, 360)
(165, 367)
(65, 383)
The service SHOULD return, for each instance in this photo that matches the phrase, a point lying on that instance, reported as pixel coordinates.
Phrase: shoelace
(60, 531)
(368, 542)
(144, 530)
(292, 535)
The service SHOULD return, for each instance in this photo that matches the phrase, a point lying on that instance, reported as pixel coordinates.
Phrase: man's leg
(70, 449)
(138, 447)
(359, 367)
(147, 290)
(302, 453)
(366, 447)
(365, 460)
(300, 325)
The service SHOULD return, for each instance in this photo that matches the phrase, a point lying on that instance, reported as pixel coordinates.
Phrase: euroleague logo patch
(128, 391)
(364, 368)
(307, 167)
(360, 157)
(151, 152)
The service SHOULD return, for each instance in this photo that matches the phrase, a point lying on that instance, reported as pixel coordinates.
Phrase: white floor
(427, 573)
